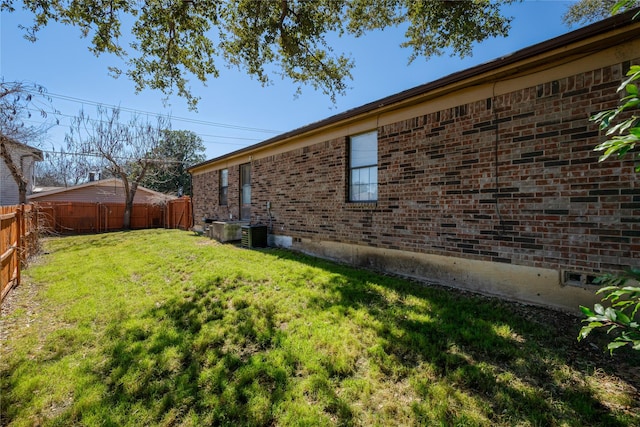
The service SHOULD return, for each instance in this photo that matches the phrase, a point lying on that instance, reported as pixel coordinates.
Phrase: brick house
(485, 179)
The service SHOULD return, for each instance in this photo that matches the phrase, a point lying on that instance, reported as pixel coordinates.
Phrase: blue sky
(234, 107)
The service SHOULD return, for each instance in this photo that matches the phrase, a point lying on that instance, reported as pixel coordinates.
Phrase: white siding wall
(9, 194)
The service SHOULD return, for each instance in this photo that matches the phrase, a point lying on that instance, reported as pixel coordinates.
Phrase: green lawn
(161, 327)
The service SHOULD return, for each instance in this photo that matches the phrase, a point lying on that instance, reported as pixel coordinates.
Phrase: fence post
(19, 216)
(189, 216)
(35, 229)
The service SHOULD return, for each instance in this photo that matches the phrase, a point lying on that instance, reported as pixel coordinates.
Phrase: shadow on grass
(516, 375)
(218, 354)
(171, 368)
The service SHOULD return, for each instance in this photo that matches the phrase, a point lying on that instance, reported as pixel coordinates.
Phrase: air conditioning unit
(254, 236)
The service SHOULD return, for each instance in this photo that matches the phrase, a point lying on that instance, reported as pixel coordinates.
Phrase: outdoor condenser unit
(254, 236)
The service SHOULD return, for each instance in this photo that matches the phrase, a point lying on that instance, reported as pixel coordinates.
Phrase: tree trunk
(128, 206)
(22, 192)
(126, 220)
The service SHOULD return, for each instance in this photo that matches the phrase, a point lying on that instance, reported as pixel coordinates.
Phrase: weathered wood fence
(18, 241)
(21, 225)
(82, 217)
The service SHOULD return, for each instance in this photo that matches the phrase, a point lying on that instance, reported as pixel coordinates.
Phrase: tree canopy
(178, 149)
(176, 40)
(587, 11)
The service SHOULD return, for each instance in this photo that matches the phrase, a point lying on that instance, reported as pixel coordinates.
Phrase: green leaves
(435, 26)
(176, 40)
(177, 149)
(623, 5)
(625, 134)
(621, 318)
(289, 35)
(173, 42)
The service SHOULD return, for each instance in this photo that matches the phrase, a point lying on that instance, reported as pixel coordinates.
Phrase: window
(224, 186)
(363, 167)
(245, 191)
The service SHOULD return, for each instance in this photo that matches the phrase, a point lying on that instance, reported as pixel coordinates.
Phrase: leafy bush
(622, 316)
(626, 134)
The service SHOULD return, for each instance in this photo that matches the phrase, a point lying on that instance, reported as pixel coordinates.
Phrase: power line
(230, 137)
(201, 135)
(198, 134)
(237, 144)
(127, 159)
(181, 119)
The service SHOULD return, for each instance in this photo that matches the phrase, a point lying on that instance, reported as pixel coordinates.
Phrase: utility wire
(127, 159)
(181, 119)
(230, 137)
(200, 135)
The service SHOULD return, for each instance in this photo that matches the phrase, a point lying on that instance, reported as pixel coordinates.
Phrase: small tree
(128, 149)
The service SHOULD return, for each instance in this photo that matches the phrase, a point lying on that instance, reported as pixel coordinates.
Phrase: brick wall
(206, 196)
(510, 179)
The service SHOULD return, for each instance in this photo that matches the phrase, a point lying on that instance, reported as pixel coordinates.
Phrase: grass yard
(161, 327)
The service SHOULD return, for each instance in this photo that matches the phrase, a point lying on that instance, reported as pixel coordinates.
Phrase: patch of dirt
(20, 298)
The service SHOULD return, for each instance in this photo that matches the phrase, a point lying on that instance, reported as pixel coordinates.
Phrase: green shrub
(621, 318)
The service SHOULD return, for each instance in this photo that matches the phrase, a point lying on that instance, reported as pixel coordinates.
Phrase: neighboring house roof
(567, 47)
(104, 191)
(25, 149)
(38, 189)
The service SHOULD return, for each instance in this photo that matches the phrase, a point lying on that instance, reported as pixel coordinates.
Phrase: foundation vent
(578, 278)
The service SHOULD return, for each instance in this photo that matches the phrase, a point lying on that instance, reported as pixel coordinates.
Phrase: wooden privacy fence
(178, 213)
(18, 241)
(89, 217)
(20, 226)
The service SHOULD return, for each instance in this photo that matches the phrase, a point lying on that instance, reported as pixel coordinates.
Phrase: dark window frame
(359, 165)
(245, 191)
(223, 190)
